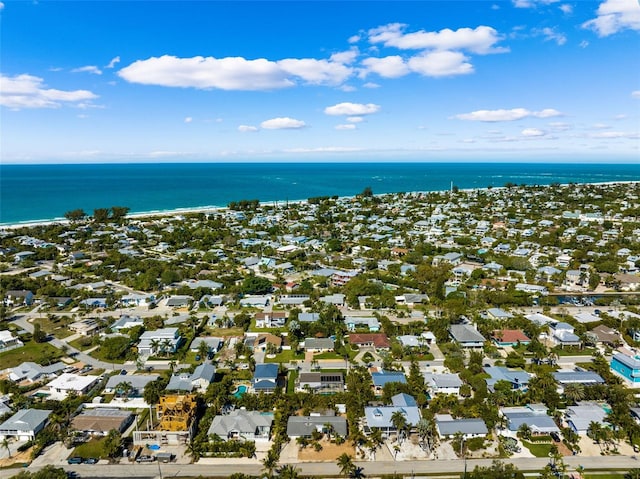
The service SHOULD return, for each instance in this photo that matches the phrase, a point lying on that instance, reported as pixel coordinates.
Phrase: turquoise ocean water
(45, 192)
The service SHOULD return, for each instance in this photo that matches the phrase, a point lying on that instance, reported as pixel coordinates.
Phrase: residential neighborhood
(499, 323)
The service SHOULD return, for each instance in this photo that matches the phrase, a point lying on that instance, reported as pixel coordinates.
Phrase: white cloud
(352, 109)
(28, 91)
(347, 88)
(371, 85)
(441, 63)
(1, 6)
(584, 44)
(247, 128)
(188, 119)
(234, 73)
(506, 115)
(480, 40)
(614, 16)
(346, 57)
(348, 126)
(354, 39)
(532, 3)
(324, 149)
(284, 123)
(615, 135)
(355, 119)
(635, 94)
(553, 35)
(388, 67)
(560, 126)
(566, 8)
(88, 69)
(113, 62)
(533, 132)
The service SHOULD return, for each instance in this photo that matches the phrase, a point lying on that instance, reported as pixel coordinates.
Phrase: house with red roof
(509, 337)
(376, 340)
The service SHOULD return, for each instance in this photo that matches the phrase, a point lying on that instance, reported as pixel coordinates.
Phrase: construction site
(175, 421)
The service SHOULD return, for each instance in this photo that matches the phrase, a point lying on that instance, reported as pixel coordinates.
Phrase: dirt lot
(17, 458)
(329, 452)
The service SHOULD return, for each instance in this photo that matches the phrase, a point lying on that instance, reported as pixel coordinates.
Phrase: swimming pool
(240, 391)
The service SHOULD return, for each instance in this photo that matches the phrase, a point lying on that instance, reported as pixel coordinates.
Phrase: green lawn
(40, 353)
(93, 448)
(538, 450)
(224, 332)
(56, 325)
(284, 357)
(291, 383)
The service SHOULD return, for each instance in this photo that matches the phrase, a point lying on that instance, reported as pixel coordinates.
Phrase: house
(271, 319)
(242, 425)
(509, 337)
(86, 327)
(586, 378)
(319, 345)
(308, 317)
(466, 336)
(533, 415)
(199, 380)
(8, 341)
(69, 383)
(261, 342)
(99, 421)
(379, 417)
(32, 372)
(579, 417)
(25, 424)
(136, 382)
(126, 322)
(94, 303)
(539, 318)
(626, 365)
(532, 288)
(442, 384)
(265, 377)
(178, 301)
(18, 298)
(164, 340)
(605, 335)
(322, 383)
(498, 313)
(376, 340)
(305, 426)
(562, 334)
(518, 378)
(134, 300)
(447, 426)
(380, 378)
(213, 344)
(356, 322)
(336, 299)
(256, 301)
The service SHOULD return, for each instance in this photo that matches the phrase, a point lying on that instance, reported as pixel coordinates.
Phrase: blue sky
(521, 80)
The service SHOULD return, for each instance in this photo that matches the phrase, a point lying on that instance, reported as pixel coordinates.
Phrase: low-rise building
(25, 424)
(448, 427)
(305, 426)
(323, 383)
(99, 421)
(242, 425)
(69, 383)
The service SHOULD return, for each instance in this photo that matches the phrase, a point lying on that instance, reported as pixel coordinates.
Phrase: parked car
(90, 460)
(555, 436)
(74, 460)
(123, 372)
(145, 459)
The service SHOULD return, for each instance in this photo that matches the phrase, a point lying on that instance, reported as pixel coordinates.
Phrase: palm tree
(270, 463)
(427, 433)
(525, 431)
(632, 474)
(123, 389)
(203, 350)
(5, 445)
(288, 471)
(345, 463)
(357, 473)
(328, 430)
(155, 345)
(574, 392)
(399, 421)
(165, 346)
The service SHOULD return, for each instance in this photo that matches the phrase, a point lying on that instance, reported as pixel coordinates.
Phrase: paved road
(322, 469)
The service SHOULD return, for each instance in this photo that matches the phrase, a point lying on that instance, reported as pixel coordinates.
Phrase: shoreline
(216, 209)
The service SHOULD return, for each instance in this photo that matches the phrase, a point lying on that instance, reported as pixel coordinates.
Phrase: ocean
(45, 192)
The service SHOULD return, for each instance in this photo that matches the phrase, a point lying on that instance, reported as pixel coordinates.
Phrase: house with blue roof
(518, 378)
(379, 417)
(265, 378)
(626, 366)
(380, 378)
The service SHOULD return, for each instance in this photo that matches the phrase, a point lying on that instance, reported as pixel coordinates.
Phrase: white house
(25, 424)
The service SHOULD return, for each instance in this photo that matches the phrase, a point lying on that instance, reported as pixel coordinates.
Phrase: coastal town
(468, 333)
